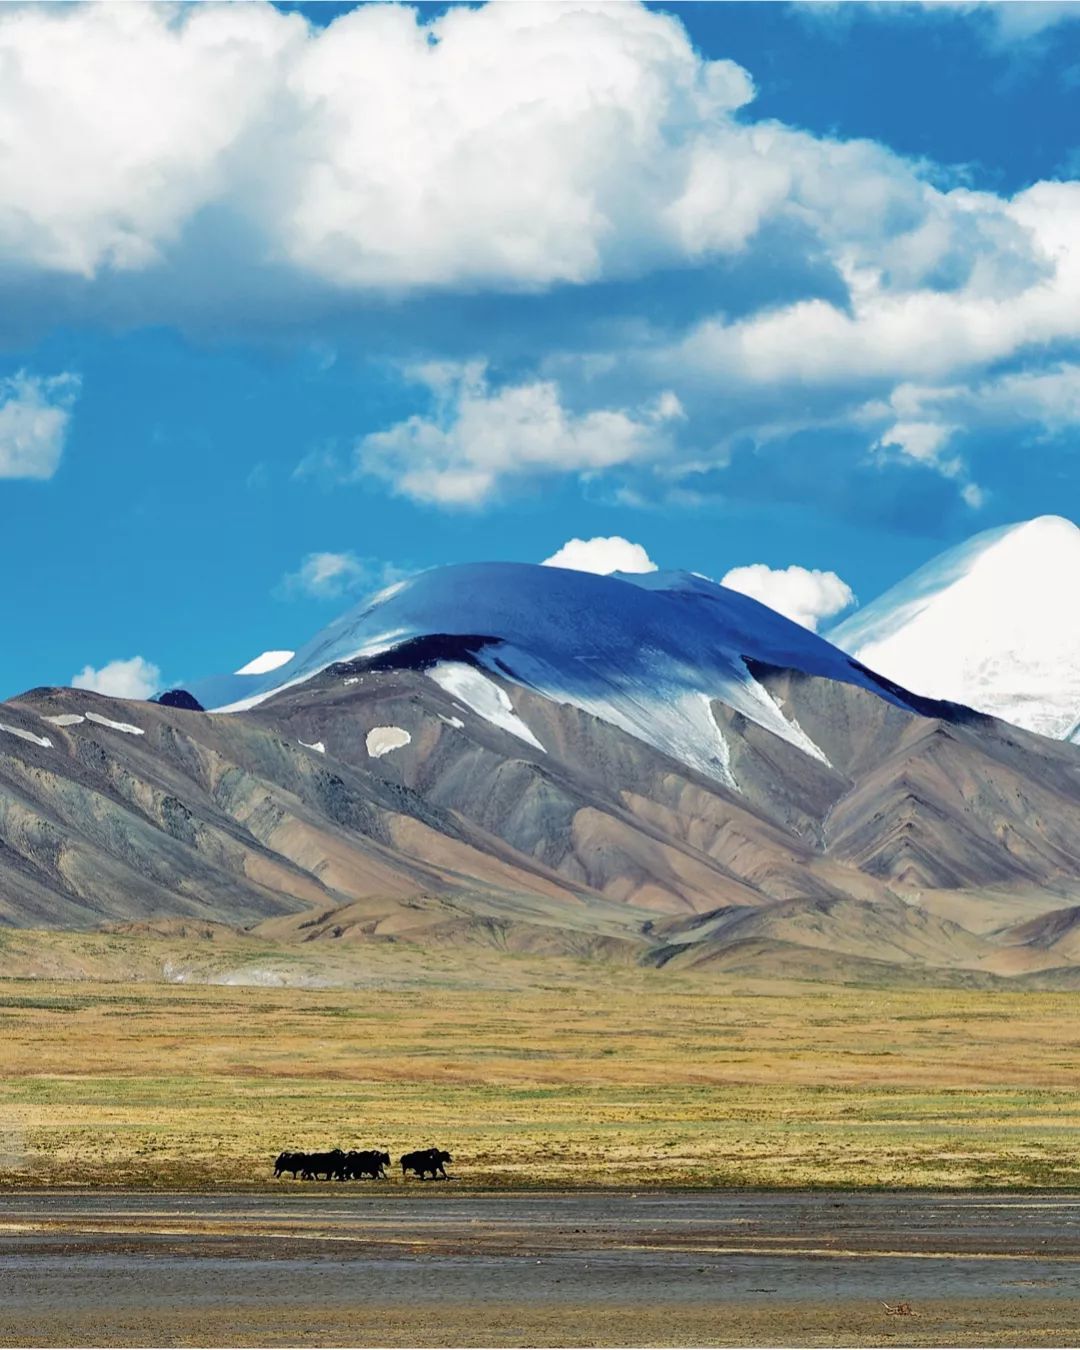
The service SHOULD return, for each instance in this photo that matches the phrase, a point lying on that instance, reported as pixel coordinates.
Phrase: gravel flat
(438, 1266)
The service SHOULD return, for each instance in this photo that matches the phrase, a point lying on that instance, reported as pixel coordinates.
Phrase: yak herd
(356, 1164)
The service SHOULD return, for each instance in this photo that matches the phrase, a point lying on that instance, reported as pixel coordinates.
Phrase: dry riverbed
(442, 1267)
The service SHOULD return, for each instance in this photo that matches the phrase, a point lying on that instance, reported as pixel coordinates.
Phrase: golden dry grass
(557, 1073)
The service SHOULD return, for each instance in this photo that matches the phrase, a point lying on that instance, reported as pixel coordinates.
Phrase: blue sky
(323, 296)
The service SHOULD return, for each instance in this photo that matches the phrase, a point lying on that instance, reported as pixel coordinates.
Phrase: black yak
(425, 1160)
(326, 1165)
(368, 1162)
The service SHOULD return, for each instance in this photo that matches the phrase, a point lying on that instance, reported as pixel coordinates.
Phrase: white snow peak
(992, 624)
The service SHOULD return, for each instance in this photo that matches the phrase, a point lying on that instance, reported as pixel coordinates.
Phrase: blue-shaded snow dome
(648, 652)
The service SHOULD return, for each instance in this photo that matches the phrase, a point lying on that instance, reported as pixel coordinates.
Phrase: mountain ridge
(488, 781)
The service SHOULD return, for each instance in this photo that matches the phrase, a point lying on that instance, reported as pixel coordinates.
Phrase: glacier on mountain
(990, 624)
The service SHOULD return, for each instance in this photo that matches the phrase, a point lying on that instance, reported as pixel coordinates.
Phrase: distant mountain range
(648, 768)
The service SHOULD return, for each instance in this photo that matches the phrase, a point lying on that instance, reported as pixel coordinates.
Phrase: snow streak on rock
(114, 726)
(723, 756)
(487, 699)
(26, 735)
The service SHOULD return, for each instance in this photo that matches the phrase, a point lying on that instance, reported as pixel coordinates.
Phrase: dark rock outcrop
(179, 698)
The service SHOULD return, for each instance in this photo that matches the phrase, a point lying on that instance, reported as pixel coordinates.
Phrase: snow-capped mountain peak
(992, 623)
(647, 653)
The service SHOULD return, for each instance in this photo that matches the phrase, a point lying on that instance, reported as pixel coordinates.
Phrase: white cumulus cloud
(381, 150)
(131, 118)
(133, 678)
(901, 337)
(478, 436)
(519, 147)
(602, 555)
(35, 414)
(539, 144)
(803, 594)
(600, 104)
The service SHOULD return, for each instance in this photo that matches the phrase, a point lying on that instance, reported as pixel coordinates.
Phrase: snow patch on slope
(381, 740)
(317, 746)
(992, 624)
(65, 719)
(115, 726)
(314, 658)
(263, 664)
(487, 699)
(26, 735)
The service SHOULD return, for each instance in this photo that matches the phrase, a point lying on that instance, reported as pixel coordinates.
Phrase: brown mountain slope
(1057, 933)
(372, 801)
(936, 803)
(888, 929)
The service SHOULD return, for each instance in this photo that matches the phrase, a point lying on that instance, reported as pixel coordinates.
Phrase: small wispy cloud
(329, 576)
(999, 23)
(35, 415)
(480, 436)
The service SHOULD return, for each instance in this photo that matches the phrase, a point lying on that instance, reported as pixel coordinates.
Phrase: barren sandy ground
(440, 1266)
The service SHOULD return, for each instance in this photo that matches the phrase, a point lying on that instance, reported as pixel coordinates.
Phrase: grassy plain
(546, 1071)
